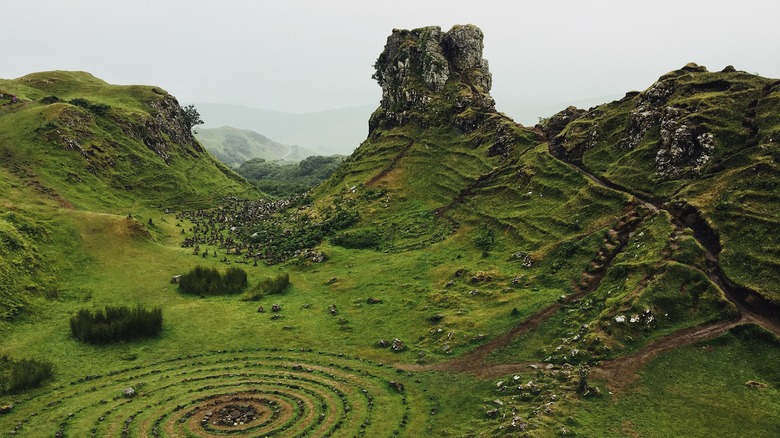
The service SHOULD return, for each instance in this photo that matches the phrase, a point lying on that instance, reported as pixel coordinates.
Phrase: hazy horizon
(303, 57)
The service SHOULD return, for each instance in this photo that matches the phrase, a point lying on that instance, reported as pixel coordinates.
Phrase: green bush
(208, 281)
(268, 286)
(99, 109)
(485, 239)
(116, 324)
(17, 375)
(360, 239)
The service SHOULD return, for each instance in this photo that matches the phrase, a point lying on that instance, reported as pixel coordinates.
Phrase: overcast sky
(303, 56)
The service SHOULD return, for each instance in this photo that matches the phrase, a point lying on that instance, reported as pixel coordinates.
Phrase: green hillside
(89, 144)
(235, 146)
(70, 142)
(606, 273)
(705, 144)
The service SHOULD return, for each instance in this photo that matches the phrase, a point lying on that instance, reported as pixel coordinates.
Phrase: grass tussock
(17, 375)
(268, 286)
(209, 281)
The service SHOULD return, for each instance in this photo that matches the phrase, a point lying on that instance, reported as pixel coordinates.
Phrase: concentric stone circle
(237, 393)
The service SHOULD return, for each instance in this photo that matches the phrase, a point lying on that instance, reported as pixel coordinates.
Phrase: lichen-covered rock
(648, 112)
(425, 73)
(166, 126)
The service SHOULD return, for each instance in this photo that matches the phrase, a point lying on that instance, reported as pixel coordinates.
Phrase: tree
(191, 116)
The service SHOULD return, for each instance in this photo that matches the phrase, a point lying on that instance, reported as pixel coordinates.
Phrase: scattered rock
(6, 408)
(398, 345)
(754, 384)
(398, 386)
(276, 308)
(128, 392)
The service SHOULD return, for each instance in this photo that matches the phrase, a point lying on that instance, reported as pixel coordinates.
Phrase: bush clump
(208, 281)
(268, 286)
(17, 375)
(368, 238)
(99, 109)
(114, 324)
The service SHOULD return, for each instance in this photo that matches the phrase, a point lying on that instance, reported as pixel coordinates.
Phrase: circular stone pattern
(240, 393)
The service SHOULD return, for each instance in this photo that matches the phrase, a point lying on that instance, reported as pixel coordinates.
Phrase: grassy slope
(696, 390)
(113, 167)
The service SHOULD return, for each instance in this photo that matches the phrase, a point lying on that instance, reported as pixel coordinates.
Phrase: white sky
(302, 56)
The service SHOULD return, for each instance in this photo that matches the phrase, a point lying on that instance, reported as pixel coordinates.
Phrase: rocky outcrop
(166, 125)
(680, 135)
(555, 124)
(684, 144)
(426, 73)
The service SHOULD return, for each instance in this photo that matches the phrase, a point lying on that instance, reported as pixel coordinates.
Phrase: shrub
(485, 239)
(99, 109)
(268, 286)
(208, 281)
(360, 239)
(17, 375)
(116, 324)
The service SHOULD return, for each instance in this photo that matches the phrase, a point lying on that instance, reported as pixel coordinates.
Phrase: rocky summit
(425, 73)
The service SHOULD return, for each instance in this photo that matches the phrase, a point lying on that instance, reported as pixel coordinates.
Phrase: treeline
(209, 281)
(285, 180)
(114, 324)
(17, 375)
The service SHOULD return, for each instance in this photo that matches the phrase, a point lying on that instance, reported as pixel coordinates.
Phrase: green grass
(696, 391)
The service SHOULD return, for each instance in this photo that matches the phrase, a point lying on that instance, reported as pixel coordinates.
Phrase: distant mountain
(337, 131)
(235, 146)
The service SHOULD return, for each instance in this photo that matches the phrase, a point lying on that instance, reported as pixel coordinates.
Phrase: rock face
(426, 72)
(684, 143)
(166, 125)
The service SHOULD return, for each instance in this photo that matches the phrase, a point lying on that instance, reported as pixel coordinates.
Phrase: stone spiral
(263, 392)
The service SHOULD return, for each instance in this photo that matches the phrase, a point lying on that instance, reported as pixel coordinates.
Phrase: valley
(608, 272)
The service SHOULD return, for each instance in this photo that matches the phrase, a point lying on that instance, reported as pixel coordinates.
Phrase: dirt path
(621, 372)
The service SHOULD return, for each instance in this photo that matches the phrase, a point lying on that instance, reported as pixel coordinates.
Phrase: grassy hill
(235, 146)
(705, 143)
(89, 144)
(459, 275)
